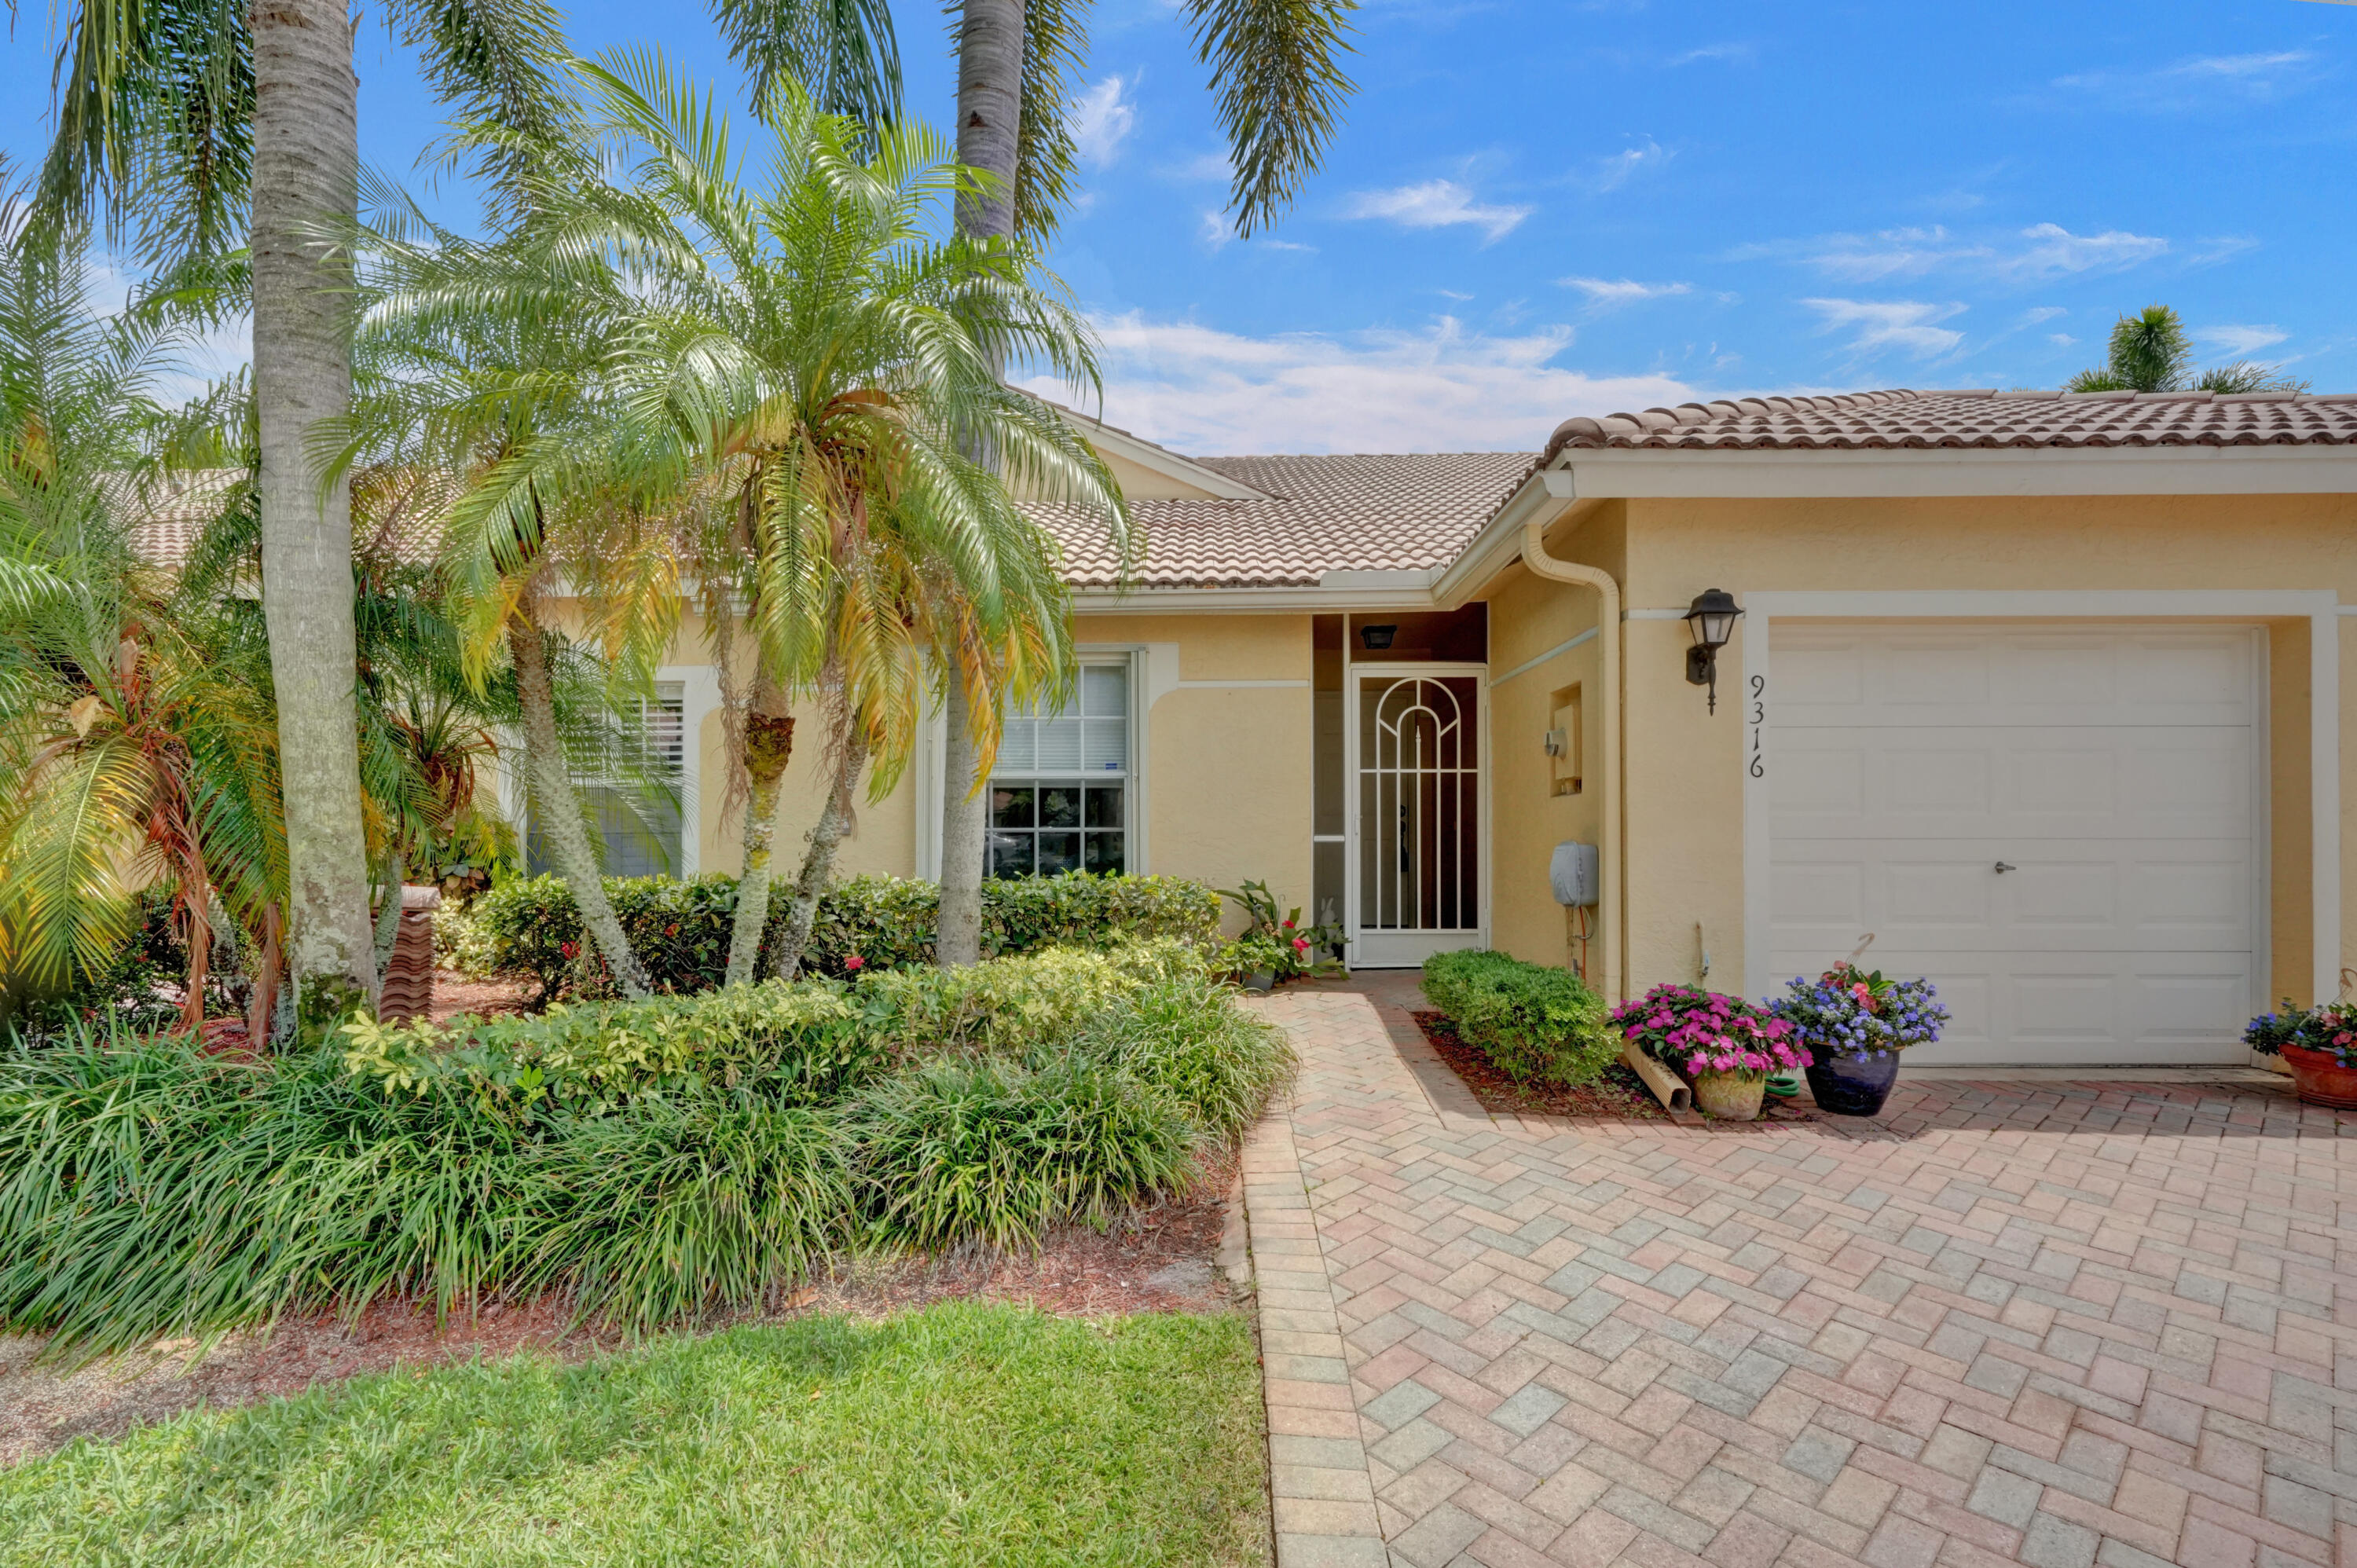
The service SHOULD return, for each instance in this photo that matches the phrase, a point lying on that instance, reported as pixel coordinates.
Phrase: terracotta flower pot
(1853, 1086)
(1729, 1096)
(2320, 1077)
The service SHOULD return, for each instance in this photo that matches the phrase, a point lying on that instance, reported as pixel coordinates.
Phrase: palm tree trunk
(957, 939)
(990, 128)
(769, 746)
(560, 809)
(818, 864)
(306, 175)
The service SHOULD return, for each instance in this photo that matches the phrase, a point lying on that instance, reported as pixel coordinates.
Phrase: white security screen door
(2058, 824)
(1416, 813)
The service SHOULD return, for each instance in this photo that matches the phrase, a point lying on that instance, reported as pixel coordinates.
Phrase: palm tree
(2151, 351)
(1276, 74)
(135, 728)
(834, 366)
(485, 389)
(196, 122)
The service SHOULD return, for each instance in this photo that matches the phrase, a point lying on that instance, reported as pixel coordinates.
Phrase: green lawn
(961, 1435)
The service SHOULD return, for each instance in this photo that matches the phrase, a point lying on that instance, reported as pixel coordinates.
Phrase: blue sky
(1538, 211)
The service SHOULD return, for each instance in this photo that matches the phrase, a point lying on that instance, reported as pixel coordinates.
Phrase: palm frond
(1277, 80)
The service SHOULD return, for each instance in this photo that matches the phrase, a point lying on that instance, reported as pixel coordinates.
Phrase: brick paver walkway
(2043, 1323)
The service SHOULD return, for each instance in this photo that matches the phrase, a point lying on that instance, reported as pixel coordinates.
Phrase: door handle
(2002, 868)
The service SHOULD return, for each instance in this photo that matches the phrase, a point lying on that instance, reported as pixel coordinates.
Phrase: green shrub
(1186, 1036)
(995, 1151)
(1530, 1021)
(678, 1206)
(680, 930)
(1031, 1003)
(804, 1042)
(659, 1160)
(151, 1190)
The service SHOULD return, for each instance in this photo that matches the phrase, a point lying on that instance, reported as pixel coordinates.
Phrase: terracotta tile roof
(1975, 419)
(170, 513)
(1362, 512)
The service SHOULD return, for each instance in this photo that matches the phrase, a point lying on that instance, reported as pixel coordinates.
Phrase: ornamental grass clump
(995, 1151)
(1184, 1036)
(1693, 1032)
(1849, 1014)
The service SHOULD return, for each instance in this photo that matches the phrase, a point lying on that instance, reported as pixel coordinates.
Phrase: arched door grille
(1419, 804)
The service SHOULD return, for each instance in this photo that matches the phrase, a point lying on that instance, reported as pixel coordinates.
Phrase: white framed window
(1062, 795)
(633, 802)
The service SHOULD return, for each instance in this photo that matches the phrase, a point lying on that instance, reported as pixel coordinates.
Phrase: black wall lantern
(1377, 638)
(1711, 617)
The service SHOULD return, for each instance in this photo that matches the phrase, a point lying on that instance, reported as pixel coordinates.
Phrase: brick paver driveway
(2056, 1323)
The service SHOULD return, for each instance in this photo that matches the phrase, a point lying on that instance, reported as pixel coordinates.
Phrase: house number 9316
(1756, 765)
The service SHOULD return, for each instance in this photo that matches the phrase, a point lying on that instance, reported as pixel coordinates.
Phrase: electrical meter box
(1574, 873)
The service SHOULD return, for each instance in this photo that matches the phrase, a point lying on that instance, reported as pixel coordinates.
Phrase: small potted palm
(1724, 1046)
(1854, 1023)
(2319, 1046)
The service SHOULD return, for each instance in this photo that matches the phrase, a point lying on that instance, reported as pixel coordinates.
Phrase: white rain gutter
(1517, 532)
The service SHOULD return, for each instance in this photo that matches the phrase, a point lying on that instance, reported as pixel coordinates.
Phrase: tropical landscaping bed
(962, 1433)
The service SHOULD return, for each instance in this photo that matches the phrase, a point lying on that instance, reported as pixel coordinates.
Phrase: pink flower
(855, 963)
(1300, 944)
(1288, 925)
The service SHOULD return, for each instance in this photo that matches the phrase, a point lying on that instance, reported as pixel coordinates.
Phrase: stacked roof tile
(1985, 419)
(1359, 512)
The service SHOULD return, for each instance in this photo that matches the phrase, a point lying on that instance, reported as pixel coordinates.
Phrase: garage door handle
(2002, 868)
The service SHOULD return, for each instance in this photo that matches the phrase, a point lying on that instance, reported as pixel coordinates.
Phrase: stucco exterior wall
(1528, 617)
(1227, 765)
(1685, 808)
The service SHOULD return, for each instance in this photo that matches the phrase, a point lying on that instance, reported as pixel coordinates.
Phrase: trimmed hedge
(1530, 1021)
(680, 930)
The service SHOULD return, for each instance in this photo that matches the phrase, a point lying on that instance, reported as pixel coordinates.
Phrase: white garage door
(2055, 824)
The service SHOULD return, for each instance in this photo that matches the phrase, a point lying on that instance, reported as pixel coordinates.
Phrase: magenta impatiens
(1695, 1031)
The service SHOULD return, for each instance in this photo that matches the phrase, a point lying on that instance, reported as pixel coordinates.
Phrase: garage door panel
(2112, 771)
(1948, 781)
(2123, 895)
(1874, 675)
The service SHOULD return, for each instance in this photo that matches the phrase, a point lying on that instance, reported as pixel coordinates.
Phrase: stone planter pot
(2320, 1078)
(1261, 980)
(1729, 1096)
(1853, 1086)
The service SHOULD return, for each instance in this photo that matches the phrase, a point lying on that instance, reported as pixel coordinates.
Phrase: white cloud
(2240, 342)
(2043, 313)
(1624, 166)
(1104, 118)
(1441, 388)
(1716, 52)
(2037, 254)
(1202, 166)
(2202, 83)
(1911, 326)
(1216, 230)
(1606, 294)
(2061, 340)
(2054, 251)
(1438, 204)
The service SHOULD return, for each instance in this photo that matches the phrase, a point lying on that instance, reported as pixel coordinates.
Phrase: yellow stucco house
(2046, 691)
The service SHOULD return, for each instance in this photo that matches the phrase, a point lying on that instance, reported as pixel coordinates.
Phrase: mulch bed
(1161, 1258)
(1619, 1095)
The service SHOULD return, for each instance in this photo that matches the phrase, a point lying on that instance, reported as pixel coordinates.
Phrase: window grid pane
(1059, 789)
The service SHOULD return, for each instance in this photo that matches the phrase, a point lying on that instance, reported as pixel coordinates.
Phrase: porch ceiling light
(1711, 617)
(1377, 636)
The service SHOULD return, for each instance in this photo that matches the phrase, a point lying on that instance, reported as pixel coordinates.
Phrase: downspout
(1613, 829)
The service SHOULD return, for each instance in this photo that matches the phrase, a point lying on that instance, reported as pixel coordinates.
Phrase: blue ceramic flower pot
(1853, 1086)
